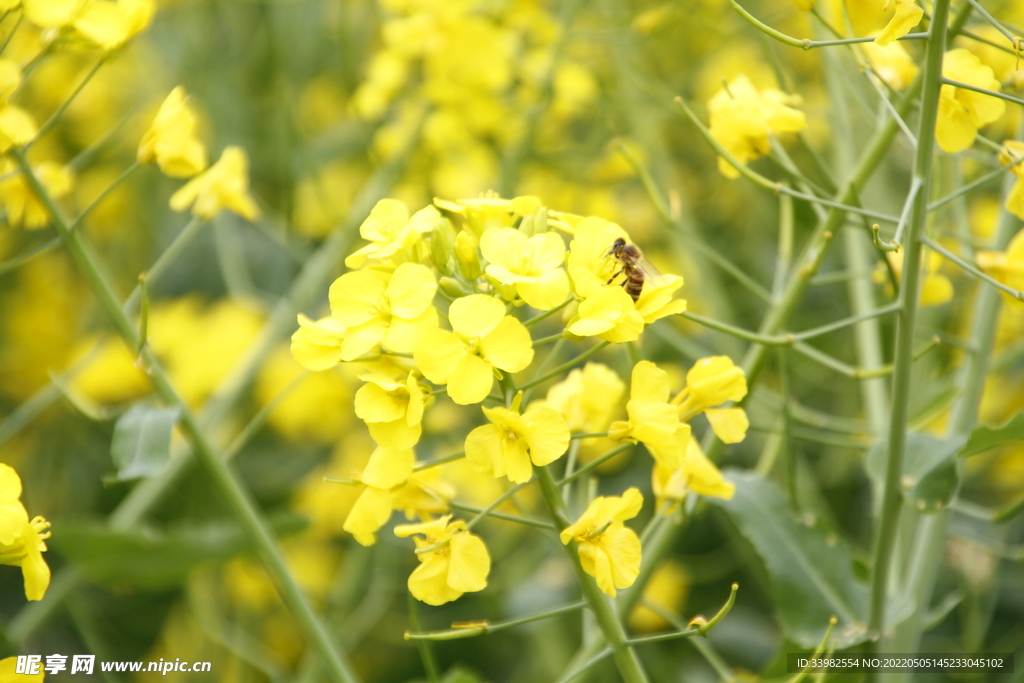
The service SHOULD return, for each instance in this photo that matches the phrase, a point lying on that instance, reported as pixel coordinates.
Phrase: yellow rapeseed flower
(393, 310)
(52, 13)
(459, 562)
(608, 313)
(17, 126)
(508, 445)
(907, 16)
(316, 345)
(609, 550)
(962, 112)
(392, 409)
(711, 382)
(586, 398)
(225, 185)
(1013, 153)
(386, 470)
(1005, 266)
(111, 24)
(655, 300)
(936, 289)
(743, 119)
(8, 672)
(21, 539)
(482, 339)
(23, 207)
(531, 264)
(171, 141)
(892, 63)
(652, 421)
(589, 265)
(389, 229)
(696, 473)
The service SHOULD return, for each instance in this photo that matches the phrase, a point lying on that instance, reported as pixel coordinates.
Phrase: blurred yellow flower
(318, 408)
(907, 16)
(586, 398)
(391, 409)
(892, 63)
(171, 141)
(608, 313)
(508, 445)
(52, 13)
(9, 668)
(111, 24)
(1013, 153)
(10, 78)
(460, 564)
(1005, 266)
(389, 229)
(936, 289)
(23, 207)
(316, 345)
(17, 126)
(695, 473)
(652, 421)
(666, 589)
(482, 339)
(393, 310)
(711, 382)
(110, 374)
(531, 264)
(962, 112)
(225, 185)
(609, 550)
(22, 540)
(743, 120)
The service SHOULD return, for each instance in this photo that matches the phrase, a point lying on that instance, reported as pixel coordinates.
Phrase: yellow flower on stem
(696, 473)
(608, 313)
(892, 63)
(452, 560)
(1013, 154)
(508, 445)
(111, 24)
(1005, 266)
(17, 127)
(609, 550)
(711, 382)
(531, 264)
(21, 539)
(52, 13)
(907, 16)
(317, 345)
(225, 185)
(936, 289)
(589, 264)
(423, 494)
(171, 140)
(586, 398)
(393, 310)
(23, 207)
(743, 119)
(482, 340)
(656, 302)
(389, 229)
(391, 409)
(652, 421)
(386, 469)
(962, 112)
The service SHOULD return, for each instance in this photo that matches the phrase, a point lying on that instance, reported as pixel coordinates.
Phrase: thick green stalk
(909, 296)
(602, 607)
(224, 478)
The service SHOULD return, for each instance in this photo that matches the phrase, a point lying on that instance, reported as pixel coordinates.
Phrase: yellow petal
(469, 565)
(483, 450)
(508, 346)
(388, 468)
(548, 291)
(470, 381)
(317, 345)
(475, 315)
(429, 581)
(622, 547)
(547, 434)
(404, 335)
(375, 404)
(729, 424)
(517, 462)
(596, 563)
(649, 383)
(371, 511)
(438, 354)
(702, 477)
(395, 435)
(907, 16)
(354, 295)
(411, 290)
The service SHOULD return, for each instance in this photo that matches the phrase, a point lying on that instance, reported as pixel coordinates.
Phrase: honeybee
(634, 268)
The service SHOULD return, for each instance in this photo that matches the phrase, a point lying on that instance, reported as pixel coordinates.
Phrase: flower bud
(441, 251)
(467, 257)
(452, 287)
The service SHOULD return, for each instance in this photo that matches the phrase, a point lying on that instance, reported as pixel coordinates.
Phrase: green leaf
(930, 476)
(986, 438)
(152, 558)
(812, 573)
(142, 441)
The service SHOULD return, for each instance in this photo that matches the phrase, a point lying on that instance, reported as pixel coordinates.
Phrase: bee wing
(651, 274)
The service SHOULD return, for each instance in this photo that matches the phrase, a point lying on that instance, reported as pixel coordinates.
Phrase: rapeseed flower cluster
(440, 308)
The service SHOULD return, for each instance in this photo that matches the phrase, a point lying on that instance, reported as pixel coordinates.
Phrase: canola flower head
(225, 185)
(392, 409)
(695, 473)
(962, 112)
(111, 24)
(711, 382)
(609, 550)
(22, 540)
(511, 442)
(9, 672)
(171, 140)
(386, 470)
(390, 231)
(482, 340)
(17, 127)
(531, 264)
(652, 421)
(381, 309)
(586, 398)
(742, 119)
(458, 564)
(10, 78)
(608, 313)
(316, 345)
(52, 13)
(907, 16)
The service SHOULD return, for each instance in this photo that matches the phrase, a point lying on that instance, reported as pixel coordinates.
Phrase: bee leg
(614, 276)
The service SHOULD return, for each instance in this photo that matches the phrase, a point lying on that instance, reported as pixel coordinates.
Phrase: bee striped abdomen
(634, 282)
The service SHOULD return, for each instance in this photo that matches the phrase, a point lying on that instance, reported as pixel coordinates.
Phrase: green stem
(594, 464)
(625, 658)
(183, 239)
(791, 338)
(482, 628)
(427, 464)
(909, 296)
(426, 651)
(805, 43)
(456, 505)
(55, 116)
(984, 91)
(701, 630)
(935, 246)
(103, 195)
(497, 501)
(223, 477)
(565, 366)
